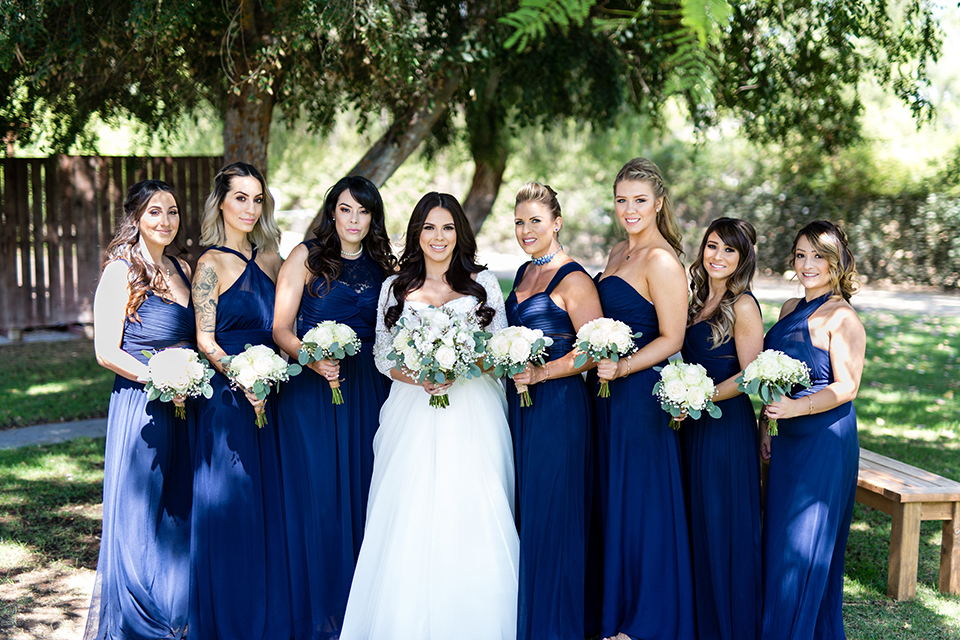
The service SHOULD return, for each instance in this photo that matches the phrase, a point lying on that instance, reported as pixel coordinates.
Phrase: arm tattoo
(204, 298)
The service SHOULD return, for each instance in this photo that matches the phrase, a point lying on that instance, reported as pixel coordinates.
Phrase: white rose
(247, 377)
(690, 374)
(520, 350)
(264, 365)
(446, 357)
(400, 340)
(674, 391)
(670, 373)
(499, 346)
(769, 369)
(695, 398)
(751, 371)
(195, 370)
(598, 338)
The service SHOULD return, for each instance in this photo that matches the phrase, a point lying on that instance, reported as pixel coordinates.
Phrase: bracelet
(810, 398)
(546, 371)
(629, 367)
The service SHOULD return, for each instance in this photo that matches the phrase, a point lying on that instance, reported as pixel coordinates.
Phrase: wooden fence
(57, 216)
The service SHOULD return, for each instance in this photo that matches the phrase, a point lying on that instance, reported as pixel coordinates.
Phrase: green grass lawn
(908, 408)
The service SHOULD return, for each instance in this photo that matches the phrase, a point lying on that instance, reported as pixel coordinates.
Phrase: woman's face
(535, 227)
(720, 260)
(636, 205)
(352, 221)
(160, 221)
(243, 204)
(813, 270)
(438, 236)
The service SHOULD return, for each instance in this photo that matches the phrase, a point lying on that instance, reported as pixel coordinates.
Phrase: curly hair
(143, 277)
(830, 241)
(463, 264)
(740, 235)
(643, 170)
(324, 260)
(265, 234)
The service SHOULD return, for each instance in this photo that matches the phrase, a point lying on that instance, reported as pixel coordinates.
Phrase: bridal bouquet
(771, 376)
(511, 349)
(177, 373)
(604, 338)
(331, 340)
(257, 369)
(685, 388)
(439, 345)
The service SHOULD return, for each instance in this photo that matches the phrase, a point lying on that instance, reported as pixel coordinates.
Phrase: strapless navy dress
(240, 584)
(647, 585)
(721, 464)
(809, 504)
(143, 574)
(326, 452)
(552, 442)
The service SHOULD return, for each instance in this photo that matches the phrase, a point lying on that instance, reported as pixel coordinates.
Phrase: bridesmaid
(240, 584)
(815, 458)
(143, 303)
(647, 588)
(326, 450)
(551, 439)
(720, 461)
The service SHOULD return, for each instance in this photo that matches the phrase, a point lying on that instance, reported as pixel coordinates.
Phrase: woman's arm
(668, 293)
(582, 303)
(748, 335)
(848, 343)
(109, 317)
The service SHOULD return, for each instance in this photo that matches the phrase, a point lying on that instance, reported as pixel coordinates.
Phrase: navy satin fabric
(809, 503)
(722, 480)
(646, 584)
(326, 453)
(239, 562)
(552, 450)
(144, 566)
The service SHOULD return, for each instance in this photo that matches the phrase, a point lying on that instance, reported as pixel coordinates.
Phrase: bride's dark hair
(413, 271)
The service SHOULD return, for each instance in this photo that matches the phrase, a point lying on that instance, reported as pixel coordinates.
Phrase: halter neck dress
(811, 490)
(552, 450)
(647, 586)
(326, 451)
(240, 584)
(721, 465)
(143, 573)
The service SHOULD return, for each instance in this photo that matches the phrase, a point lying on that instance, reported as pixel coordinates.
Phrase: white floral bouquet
(771, 376)
(511, 349)
(685, 387)
(439, 345)
(604, 338)
(177, 373)
(332, 340)
(257, 369)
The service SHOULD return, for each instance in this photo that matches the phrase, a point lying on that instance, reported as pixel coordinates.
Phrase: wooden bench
(912, 495)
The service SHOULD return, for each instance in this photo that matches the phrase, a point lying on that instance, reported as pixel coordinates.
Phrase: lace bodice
(384, 339)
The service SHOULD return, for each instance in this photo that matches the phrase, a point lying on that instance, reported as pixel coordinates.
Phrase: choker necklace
(542, 260)
(351, 255)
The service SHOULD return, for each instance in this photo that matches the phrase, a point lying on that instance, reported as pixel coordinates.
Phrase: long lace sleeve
(384, 339)
(489, 282)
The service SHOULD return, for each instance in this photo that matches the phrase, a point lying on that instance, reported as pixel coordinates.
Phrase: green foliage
(531, 20)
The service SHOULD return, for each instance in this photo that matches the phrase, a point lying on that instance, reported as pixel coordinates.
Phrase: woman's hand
(608, 370)
(326, 368)
(435, 389)
(786, 408)
(531, 375)
(765, 440)
(254, 402)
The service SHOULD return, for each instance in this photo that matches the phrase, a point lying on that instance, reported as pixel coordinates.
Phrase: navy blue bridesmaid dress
(646, 584)
(552, 442)
(326, 452)
(143, 574)
(240, 586)
(811, 489)
(721, 465)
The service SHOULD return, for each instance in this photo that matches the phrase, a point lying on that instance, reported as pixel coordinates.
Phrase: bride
(440, 551)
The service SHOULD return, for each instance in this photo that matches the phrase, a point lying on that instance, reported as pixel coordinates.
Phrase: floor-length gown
(240, 585)
(721, 465)
(647, 586)
(551, 441)
(440, 551)
(326, 452)
(143, 573)
(810, 494)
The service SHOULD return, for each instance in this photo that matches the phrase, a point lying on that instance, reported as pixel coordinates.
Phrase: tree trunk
(487, 178)
(490, 147)
(406, 133)
(246, 126)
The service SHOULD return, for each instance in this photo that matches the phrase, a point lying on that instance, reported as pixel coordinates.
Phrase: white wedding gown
(440, 552)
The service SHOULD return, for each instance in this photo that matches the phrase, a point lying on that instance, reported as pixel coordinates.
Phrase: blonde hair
(644, 170)
(541, 193)
(830, 241)
(265, 234)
